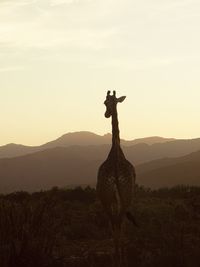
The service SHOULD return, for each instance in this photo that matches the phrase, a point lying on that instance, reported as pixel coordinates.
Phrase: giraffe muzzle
(107, 114)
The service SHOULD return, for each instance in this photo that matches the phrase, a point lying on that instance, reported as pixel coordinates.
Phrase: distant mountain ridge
(88, 138)
(51, 167)
(74, 158)
(15, 150)
(82, 138)
(75, 165)
(169, 172)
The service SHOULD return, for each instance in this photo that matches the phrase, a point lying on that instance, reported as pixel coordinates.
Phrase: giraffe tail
(131, 218)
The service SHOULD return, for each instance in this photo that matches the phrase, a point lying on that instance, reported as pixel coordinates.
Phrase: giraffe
(116, 178)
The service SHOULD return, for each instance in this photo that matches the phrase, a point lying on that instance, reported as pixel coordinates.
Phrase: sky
(58, 58)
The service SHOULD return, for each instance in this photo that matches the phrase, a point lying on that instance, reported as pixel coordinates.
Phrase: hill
(78, 165)
(14, 150)
(72, 223)
(52, 167)
(170, 172)
(73, 139)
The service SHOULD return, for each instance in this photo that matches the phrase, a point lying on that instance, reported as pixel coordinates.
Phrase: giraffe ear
(121, 99)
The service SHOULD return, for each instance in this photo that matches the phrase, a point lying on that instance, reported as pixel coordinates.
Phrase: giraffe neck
(116, 152)
(115, 130)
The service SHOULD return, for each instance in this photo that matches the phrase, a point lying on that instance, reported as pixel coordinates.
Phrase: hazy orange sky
(59, 57)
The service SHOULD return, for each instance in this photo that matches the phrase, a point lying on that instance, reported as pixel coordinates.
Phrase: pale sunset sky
(58, 58)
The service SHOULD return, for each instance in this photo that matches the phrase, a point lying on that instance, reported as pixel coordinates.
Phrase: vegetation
(59, 227)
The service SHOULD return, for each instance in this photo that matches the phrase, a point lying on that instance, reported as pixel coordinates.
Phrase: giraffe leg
(118, 259)
(123, 250)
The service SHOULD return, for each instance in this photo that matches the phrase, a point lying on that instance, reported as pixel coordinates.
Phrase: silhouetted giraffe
(116, 178)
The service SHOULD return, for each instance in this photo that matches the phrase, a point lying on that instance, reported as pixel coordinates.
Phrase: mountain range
(169, 172)
(74, 158)
(83, 138)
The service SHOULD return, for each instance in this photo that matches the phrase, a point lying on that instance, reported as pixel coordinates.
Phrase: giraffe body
(116, 178)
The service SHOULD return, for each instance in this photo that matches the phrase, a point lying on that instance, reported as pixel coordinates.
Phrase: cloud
(71, 2)
(17, 3)
(38, 26)
(103, 29)
(62, 2)
(11, 68)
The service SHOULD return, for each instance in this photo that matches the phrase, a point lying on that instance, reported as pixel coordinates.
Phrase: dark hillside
(58, 228)
(170, 171)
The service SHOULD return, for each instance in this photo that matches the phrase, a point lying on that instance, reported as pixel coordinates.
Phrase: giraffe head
(111, 103)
